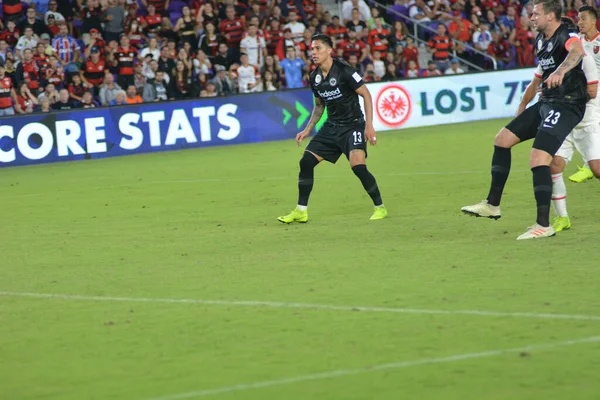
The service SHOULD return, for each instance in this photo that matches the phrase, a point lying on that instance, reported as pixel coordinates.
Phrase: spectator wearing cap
(8, 95)
(27, 41)
(96, 42)
(45, 39)
(91, 13)
(67, 49)
(52, 10)
(114, 18)
(93, 71)
(286, 41)
(52, 26)
(223, 85)
(293, 68)
(454, 68)
(31, 20)
(295, 26)
(132, 96)
(108, 91)
(460, 28)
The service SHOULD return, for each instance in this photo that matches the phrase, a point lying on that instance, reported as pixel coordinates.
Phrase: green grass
(201, 224)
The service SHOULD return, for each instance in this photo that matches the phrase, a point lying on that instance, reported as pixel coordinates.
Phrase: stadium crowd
(64, 54)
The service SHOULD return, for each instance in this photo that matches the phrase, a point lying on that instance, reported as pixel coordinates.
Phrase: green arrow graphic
(304, 114)
(286, 116)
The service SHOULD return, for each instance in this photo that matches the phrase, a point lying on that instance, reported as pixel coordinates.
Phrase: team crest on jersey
(540, 44)
(549, 48)
(596, 49)
(317, 79)
(333, 81)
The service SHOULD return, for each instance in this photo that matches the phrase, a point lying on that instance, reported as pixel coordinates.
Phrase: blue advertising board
(115, 131)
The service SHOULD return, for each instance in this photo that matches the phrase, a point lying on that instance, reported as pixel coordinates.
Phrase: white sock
(304, 208)
(559, 195)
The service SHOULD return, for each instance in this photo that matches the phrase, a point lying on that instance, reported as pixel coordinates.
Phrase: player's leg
(523, 127)
(320, 148)
(559, 190)
(355, 148)
(588, 144)
(558, 122)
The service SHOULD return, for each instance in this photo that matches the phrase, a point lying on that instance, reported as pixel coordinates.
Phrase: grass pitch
(201, 225)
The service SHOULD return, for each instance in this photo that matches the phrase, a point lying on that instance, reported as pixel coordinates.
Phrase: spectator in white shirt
(254, 46)
(363, 9)
(27, 41)
(296, 27)
(454, 68)
(52, 10)
(248, 76)
(152, 49)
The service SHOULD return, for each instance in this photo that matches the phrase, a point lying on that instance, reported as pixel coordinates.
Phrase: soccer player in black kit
(548, 122)
(336, 85)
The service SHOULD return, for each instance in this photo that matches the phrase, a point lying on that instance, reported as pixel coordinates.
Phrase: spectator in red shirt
(432, 69)
(500, 50)
(273, 36)
(440, 46)
(378, 38)
(336, 31)
(460, 28)
(232, 29)
(28, 71)
(353, 46)
(11, 34)
(26, 101)
(153, 20)
(522, 38)
(76, 88)
(411, 52)
(124, 59)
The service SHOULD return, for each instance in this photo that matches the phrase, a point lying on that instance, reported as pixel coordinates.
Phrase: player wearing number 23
(336, 85)
(548, 122)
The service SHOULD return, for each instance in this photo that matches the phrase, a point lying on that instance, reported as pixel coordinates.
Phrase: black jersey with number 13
(552, 53)
(338, 91)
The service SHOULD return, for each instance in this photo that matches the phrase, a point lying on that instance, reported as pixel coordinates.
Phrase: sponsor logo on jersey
(547, 63)
(330, 94)
(333, 81)
(393, 105)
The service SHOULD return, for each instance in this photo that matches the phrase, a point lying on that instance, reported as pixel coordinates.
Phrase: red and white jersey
(254, 48)
(246, 76)
(592, 72)
(6, 87)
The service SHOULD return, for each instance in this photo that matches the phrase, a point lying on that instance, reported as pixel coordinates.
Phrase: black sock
(369, 183)
(500, 170)
(542, 189)
(308, 162)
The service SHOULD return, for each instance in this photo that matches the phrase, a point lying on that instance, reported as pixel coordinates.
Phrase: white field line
(272, 178)
(380, 367)
(308, 306)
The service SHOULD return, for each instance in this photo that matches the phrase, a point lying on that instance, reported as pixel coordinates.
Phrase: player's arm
(576, 53)
(530, 92)
(316, 115)
(591, 75)
(363, 91)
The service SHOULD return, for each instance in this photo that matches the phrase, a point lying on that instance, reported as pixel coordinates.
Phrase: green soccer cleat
(295, 216)
(561, 224)
(583, 174)
(379, 213)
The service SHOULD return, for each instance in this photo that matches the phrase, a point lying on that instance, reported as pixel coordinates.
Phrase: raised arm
(363, 91)
(316, 115)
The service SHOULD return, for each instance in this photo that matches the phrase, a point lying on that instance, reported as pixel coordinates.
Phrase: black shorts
(334, 140)
(548, 123)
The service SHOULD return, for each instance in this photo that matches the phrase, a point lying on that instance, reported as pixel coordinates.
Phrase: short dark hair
(323, 39)
(591, 10)
(568, 22)
(549, 6)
